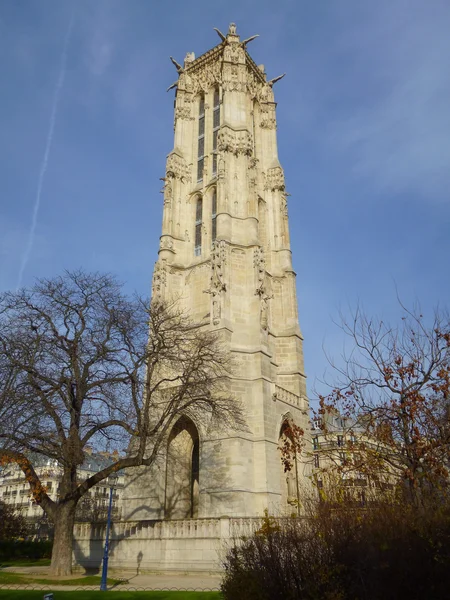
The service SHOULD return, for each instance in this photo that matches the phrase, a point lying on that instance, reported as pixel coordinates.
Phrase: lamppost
(112, 479)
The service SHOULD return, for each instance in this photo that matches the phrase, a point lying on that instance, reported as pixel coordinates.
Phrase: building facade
(15, 491)
(225, 259)
(348, 465)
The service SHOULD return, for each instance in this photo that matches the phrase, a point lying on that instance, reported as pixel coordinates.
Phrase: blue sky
(363, 131)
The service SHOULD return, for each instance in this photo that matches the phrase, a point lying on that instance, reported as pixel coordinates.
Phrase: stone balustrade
(172, 545)
(152, 529)
(289, 398)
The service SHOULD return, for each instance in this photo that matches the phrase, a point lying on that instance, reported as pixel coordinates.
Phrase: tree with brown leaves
(393, 392)
(82, 364)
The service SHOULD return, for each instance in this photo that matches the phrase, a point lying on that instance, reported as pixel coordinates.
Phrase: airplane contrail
(44, 164)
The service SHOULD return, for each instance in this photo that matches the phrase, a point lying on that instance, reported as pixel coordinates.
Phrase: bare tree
(83, 364)
(393, 393)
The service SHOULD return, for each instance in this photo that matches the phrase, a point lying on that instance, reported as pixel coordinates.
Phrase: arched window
(216, 125)
(182, 472)
(198, 226)
(214, 215)
(201, 138)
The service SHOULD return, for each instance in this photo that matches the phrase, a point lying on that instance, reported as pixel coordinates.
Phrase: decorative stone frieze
(274, 179)
(184, 112)
(234, 53)
(166, 243)
(268, 118)
(177, 168)
(236, 142)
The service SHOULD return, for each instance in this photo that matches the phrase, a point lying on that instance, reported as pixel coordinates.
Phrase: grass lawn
(94, 595)
(24, 562)
(7, 578)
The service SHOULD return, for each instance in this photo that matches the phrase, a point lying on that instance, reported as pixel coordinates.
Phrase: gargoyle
(275, 79)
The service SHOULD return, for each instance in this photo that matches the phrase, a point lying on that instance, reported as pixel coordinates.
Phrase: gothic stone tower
(225, 253)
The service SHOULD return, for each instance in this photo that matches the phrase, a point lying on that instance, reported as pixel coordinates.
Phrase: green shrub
(389, 552)
(24, 549)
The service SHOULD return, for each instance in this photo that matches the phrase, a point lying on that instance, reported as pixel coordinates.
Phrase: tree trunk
(63, 539)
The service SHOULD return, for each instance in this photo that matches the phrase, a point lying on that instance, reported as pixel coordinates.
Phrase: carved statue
(291, 481)
(264, 314)
(221, 168)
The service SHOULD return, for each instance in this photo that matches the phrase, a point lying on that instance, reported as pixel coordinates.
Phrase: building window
(340, 440)
(216, 125)
(315, 442)
(214, 216)
(198, 227)
(201, 139)
(316, 461)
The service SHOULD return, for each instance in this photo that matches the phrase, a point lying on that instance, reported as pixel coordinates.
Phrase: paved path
(155, 581)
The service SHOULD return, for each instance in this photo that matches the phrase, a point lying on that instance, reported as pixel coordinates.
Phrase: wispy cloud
(45, 159)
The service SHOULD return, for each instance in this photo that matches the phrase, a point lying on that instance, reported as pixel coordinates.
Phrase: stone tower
(225, 254)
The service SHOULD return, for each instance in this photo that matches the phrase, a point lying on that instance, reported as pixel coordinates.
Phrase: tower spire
(225, 258)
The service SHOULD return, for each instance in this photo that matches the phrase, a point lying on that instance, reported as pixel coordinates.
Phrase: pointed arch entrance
(182, 471)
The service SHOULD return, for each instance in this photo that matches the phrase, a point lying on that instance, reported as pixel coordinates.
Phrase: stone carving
(274, 179)
(234, 53)
(284, 204)
(265, 94)
(268, 118)
(217, 283)
(166, 243)
(221, 168)
(167, 190)
(177, 168)
(291, 481)
(259, 262)
(184, 112)
(188, 59)
(177, 65)
(159, 281)
(262, 286)
(204, 78)
(252, 173)
(236, 142)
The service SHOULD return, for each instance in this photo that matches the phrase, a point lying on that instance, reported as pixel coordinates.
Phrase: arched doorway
(182, 471)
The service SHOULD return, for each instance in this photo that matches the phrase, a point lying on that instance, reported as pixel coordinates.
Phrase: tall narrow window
(201, 138)
(198, 227)
(216, 124)
(214, 216)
